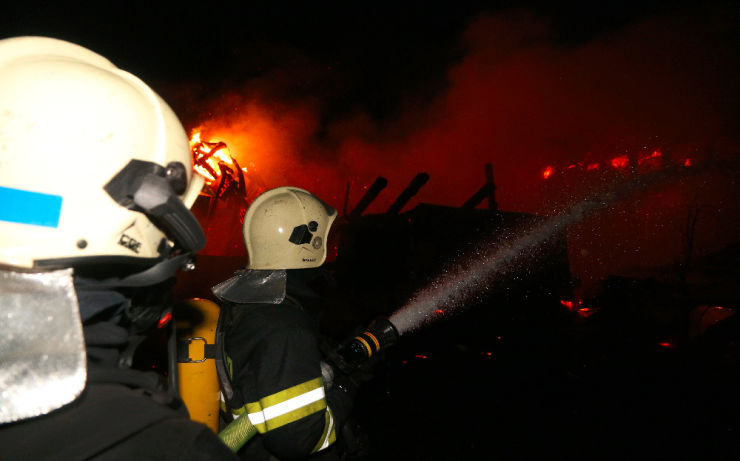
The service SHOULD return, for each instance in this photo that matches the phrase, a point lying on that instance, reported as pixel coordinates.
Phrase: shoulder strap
(227, 389)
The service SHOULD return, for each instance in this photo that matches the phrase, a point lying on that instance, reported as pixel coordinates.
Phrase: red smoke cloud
(522, 102)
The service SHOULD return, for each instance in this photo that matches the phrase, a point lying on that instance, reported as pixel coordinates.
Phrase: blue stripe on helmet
(27, 207)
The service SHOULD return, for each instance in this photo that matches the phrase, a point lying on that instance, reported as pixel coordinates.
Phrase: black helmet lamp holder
(153, 190)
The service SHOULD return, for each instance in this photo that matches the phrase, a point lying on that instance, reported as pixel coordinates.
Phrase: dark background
(365, 43)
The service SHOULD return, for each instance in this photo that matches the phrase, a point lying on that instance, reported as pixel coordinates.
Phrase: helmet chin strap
(159, 272)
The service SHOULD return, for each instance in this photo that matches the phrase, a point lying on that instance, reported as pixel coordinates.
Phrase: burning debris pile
(653, 228)
(583, 177)
(214, 162)
(223, 201)
(626, 163)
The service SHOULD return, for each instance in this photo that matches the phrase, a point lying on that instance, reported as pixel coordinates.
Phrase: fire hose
(238, 433)
(350, 356)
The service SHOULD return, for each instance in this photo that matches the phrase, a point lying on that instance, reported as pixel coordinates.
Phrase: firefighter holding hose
(95, 186)
(272, 376)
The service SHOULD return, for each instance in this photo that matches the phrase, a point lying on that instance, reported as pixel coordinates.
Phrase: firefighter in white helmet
(95, 186)
(274, 374)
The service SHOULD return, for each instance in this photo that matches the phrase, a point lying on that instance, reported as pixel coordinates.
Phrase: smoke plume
(520, 101)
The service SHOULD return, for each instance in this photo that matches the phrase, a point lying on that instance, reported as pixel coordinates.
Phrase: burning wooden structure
(223, 202)
(384, 258)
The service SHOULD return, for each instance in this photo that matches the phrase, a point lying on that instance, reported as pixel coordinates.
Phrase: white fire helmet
(287, 228)
(93, 164)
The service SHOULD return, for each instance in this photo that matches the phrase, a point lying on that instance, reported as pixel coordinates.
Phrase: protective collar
(42, 348)
(250, 286)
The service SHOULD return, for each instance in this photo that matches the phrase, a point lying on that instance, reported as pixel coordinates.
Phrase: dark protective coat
(275, 356)
(122, 413)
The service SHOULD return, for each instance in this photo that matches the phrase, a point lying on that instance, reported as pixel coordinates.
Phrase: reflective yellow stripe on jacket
(289, 405)
(329, 436)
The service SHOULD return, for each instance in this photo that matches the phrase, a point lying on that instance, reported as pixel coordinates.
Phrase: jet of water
(475, 273)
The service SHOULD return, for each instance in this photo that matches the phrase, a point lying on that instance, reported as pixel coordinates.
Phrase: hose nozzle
(380, 335)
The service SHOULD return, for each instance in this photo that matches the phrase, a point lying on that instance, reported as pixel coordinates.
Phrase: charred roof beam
(488, 190)
(411, 190)
(371, 194)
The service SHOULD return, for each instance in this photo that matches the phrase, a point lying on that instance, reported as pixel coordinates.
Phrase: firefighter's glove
(365, 372)
(346, 385)
(333, 376)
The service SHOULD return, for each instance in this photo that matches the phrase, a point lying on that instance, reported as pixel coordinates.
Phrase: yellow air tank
(196, 321)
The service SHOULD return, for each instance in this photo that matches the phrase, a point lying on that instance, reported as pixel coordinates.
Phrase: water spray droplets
(472, 276)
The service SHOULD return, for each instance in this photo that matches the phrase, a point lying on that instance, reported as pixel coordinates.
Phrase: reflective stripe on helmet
(28, 207)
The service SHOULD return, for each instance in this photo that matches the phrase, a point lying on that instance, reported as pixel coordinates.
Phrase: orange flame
(208, 158)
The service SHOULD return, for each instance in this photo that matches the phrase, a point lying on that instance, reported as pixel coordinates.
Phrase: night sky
(323, 97)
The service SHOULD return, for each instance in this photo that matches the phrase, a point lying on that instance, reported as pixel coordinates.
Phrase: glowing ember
(620, 162)
(656, 154)
(570, 305)
(548, 172)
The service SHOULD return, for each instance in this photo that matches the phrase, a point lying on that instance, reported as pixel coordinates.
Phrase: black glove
(346, 385)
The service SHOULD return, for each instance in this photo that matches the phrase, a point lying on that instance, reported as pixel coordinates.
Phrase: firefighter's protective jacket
(275, 364)
(123, 413)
